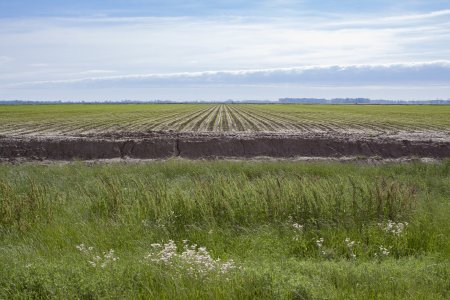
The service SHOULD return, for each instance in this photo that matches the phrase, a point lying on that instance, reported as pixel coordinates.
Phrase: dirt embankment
(165, 145)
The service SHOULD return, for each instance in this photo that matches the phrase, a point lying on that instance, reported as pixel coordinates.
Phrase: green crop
(69, 119)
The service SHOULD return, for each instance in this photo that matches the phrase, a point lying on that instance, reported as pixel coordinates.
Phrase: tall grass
(296, 230)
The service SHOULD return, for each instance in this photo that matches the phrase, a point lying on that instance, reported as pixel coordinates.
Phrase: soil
(161, 145)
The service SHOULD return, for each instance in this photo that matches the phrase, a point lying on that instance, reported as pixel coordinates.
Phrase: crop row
(73, 119)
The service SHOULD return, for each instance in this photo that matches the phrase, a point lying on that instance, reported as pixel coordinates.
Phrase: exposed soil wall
(157, 146)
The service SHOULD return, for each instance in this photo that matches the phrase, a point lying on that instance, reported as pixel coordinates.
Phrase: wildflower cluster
(197, 261)
(319, 243)
(95, 260)
(298, 228)
(350, 244)
(394, 228)
(383, 251)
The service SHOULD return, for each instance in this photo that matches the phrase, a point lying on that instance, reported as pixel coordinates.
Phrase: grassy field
(282, 230)
(81, 119)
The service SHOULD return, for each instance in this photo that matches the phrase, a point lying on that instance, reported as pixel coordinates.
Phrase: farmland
(224, 150)
(217, 118)
(154, 131)
(282, 230)
(85, 215)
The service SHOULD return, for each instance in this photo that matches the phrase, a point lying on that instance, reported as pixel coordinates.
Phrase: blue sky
(215, 50)
(46, 8)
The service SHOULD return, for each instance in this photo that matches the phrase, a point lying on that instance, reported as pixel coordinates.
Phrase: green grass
(243, 211)
(91, 118)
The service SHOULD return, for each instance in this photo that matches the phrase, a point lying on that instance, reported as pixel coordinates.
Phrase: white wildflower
(227, 266)
(384, 251)
(319, 242)
(297, 226)
(95, 260)
(394, 228)
(83, 249)
(350, 244)
(197, 261)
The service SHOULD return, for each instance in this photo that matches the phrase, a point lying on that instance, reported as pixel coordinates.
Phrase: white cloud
(39, 65)
(5, 59)
(93, 72)
(430, 73)
(340, 50)
(405, 20)
(433, 14)
(137, 45)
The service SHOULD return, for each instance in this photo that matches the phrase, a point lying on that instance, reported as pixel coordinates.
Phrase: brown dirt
(158, 145)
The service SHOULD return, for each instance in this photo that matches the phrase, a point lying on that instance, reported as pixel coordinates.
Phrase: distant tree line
(281, 100)
(358, 101)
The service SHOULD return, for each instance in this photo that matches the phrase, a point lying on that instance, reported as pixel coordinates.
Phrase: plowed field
(223, 130)
(87, 119)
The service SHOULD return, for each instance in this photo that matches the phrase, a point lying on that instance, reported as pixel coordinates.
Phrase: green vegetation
(91, 118)
(293, 230)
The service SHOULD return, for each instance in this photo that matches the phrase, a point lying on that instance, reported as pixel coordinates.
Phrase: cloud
(5, 59)
(89, 72)
(393, 21)
(135, 45)
(427, 73)
(313, 49)
(39, 65)
(433, 14)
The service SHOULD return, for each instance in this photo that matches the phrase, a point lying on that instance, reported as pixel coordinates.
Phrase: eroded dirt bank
(165, 145)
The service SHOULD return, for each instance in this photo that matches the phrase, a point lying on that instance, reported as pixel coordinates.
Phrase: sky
(226, 49)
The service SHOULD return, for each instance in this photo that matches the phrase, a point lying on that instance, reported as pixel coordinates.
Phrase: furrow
(276, 122)
(236, 124)
(213, 119)
(225, 127)
(181, 120)
(195, 124)
(250, 123)
(218, 123)
(293, 120)
(262, 125)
